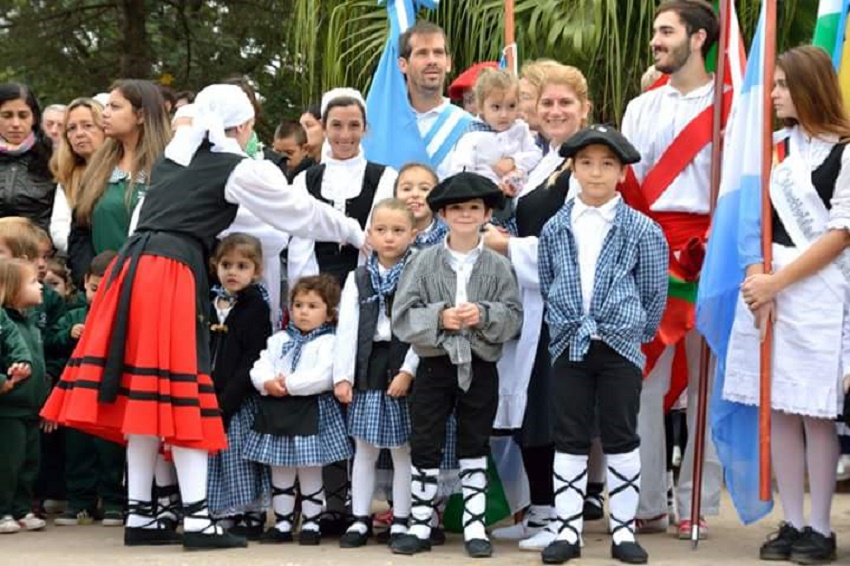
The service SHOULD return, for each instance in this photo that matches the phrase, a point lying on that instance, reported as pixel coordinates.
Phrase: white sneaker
(843, 470)
(534, 521)
(539, 541)
(32, 523)
(8, 525)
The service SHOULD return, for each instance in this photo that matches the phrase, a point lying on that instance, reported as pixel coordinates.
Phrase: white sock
(283, 479)
(312, 497)
(401, 485)
(822, 453)
(191, 465)
(473, 480)
(166, 477)
(423, 489)
(623, 494)
(570, 484)
(363, 477)
(788, 454)
(141, 462)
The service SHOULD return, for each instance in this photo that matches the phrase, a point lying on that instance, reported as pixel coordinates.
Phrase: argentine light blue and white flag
(733, 244)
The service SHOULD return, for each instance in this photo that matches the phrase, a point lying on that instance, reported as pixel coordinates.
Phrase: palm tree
(339, 42)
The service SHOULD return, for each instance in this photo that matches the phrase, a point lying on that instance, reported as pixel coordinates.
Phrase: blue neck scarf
(384, 285)
(433, 236)
(297, 340)
(222, 293)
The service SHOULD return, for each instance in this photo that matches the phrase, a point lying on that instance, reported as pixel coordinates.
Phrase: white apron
(807, 335)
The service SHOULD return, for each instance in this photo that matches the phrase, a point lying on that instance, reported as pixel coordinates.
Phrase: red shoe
(684, 529)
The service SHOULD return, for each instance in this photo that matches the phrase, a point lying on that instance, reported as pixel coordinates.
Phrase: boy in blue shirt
(603, 275)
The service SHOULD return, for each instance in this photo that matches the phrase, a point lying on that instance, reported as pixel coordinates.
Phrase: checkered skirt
(331, 444)
(379, 419)
(234, 484)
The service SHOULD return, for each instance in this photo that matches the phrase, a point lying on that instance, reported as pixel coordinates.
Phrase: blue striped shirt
(629, 291)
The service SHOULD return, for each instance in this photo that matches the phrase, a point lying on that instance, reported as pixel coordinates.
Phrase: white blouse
(60, 220)
(314, 373)
(345, 352)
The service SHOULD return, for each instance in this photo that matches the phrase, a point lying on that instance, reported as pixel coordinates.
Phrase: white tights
(798, 443)
(363, 479)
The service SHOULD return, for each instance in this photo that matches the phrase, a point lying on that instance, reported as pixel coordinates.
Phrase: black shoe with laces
(275, 536)
(310, 537)
(478, 548)
(594, 502)
(778, 545)
(438, 536)
(813, 548)
(249, 526)
(629, 552)
(409, 544)
(560, 551)
(353, 538)
(210, 538)
(154, 533)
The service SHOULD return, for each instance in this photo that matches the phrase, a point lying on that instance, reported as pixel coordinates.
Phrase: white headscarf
(335, 93)
(216, 108)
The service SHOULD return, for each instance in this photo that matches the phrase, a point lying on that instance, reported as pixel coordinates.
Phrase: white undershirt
(591, 225)
(462, 264)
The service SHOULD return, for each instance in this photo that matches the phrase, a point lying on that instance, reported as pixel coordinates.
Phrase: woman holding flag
(809, 162)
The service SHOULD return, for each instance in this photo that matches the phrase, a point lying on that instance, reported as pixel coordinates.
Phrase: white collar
(607, 211)
(437, 110)
(355, 161)
(474, 251)
(698, 92)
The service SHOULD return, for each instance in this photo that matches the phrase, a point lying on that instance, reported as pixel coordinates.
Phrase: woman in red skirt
(141, 372)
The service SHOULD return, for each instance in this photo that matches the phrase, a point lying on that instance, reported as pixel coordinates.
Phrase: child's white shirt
(478, 150)
(345, 352)
(314, 373)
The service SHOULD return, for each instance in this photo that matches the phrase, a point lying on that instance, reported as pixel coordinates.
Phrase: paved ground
(729, 542)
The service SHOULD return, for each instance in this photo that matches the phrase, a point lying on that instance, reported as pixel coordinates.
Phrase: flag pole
(705, 351)
(510, 40)
(766, 349)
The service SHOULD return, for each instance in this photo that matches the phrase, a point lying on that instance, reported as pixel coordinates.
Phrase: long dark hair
(43, 147)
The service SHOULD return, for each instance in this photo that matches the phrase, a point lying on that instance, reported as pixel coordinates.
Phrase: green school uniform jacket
(13, 349)
(26, 399)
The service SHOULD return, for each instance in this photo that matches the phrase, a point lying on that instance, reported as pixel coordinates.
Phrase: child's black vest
(364, 378)
(332, 258)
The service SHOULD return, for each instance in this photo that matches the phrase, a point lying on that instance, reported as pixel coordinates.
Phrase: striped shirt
(629, 289)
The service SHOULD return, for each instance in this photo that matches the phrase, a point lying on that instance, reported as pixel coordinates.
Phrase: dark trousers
(19, 456)
(50, 483)
(94, 468)
(436, 394)
(604, 381)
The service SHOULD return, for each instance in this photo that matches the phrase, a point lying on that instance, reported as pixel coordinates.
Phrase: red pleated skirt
(162, 391)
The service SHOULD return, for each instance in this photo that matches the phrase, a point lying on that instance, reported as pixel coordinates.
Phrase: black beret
(603, 135)
(464, 187)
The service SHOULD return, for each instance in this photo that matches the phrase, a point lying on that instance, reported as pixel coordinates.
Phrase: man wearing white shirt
(424, 60)
(655, 122)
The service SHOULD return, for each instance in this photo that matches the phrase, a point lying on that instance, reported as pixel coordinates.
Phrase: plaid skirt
(379, 419)
(331, 444)
(236, 485)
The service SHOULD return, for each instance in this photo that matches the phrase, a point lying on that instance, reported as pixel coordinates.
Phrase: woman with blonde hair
(82, 134)
(137, 130)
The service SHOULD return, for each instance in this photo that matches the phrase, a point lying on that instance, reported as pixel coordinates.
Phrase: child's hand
(18, 372)
(847, 384)
(7, 386)
(343, 392)
(77, 331)
(276, 387)
(507, 188)
(469, 314)
(400, 384)
(450, 319)
(49, 426)
(504, 166)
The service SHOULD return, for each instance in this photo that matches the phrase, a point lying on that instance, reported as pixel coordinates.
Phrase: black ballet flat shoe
(250, 532)
(390, 538)
(212, 541)
(478, 548)
(334, 523)
(592, 512)
(274, 536)
(137, 536)
(560, 552)
(409, 545)
(310, 537)
(629, 553)
(438, 536)
(354, 539)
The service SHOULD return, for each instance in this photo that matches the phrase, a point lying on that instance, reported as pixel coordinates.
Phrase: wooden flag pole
(705, 352)
(766, 350)
(510, 39)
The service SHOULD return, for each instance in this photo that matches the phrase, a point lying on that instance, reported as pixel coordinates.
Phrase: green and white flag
(826, 28)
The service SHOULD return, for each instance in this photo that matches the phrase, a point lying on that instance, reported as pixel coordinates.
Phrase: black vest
(823, 179)
(332, 258)
(535, 208)
(369, 375)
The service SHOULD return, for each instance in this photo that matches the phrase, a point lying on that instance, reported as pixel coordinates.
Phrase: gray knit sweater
(427, 287)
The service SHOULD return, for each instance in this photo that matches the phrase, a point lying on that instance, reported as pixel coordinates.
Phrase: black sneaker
(409, 544)
(779, 543)
(629, 552)
(811, 547)
(560, 551)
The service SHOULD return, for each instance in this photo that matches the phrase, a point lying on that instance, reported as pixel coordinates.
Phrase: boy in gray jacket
(456, 304)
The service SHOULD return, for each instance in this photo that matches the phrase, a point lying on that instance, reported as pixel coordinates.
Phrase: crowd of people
(198, 329)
